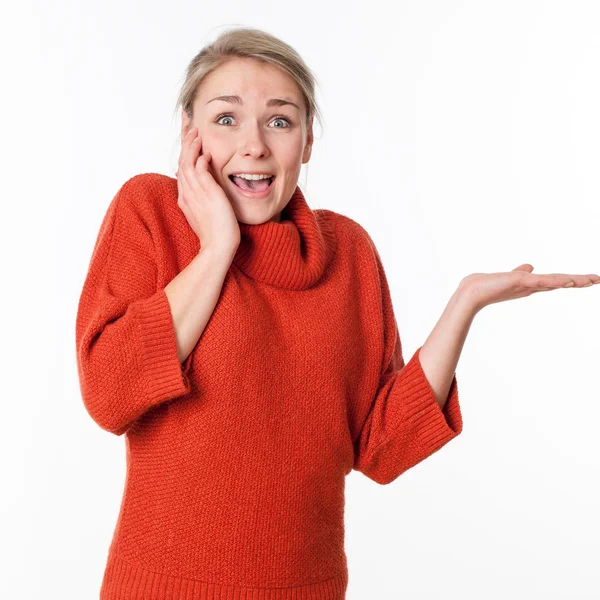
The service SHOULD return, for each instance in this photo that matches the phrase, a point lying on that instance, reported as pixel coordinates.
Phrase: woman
(247, 347)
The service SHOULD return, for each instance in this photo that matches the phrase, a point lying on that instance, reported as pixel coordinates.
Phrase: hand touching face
(203, 202)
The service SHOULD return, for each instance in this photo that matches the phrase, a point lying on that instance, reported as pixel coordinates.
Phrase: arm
(440, 353)
(406, 422)
(194, 293)
(129, 339)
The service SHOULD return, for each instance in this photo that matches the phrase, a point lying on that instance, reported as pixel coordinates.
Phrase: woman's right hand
(202, 200)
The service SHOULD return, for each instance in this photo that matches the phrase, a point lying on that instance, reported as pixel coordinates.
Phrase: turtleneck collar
(292, 253)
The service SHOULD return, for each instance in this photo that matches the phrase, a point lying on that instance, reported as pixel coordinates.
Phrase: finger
(189, 137)
(552, 280)
(573, 280)
(199, 164)
(183, 187)
(193, 151)
(204, 175)
(185, 145)
(185, 134)
(189, 156)
(202, 162)
(570, 281)
(183, 131)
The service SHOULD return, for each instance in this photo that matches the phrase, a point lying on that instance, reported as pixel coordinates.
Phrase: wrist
(467, 297)
(224, 251)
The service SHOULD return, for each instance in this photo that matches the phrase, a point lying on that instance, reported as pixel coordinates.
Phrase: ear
(309, 142)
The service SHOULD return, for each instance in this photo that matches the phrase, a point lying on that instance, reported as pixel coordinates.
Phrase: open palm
(489, 288)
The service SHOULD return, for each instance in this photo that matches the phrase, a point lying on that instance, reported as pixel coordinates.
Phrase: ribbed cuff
(164, 375)
(434, 426)
(418, 427)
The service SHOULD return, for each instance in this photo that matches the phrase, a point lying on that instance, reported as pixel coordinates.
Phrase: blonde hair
(247, 42)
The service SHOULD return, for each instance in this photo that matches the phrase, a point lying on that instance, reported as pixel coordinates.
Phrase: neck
(290, 250)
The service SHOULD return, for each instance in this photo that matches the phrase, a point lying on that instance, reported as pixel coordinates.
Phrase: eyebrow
(271, 102)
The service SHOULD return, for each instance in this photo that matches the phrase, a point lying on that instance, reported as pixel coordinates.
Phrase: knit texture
(237, 458)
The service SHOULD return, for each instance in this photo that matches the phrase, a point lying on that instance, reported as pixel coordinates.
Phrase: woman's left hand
(489, 288)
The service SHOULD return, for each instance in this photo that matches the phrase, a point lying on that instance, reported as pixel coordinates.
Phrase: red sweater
(237, 458)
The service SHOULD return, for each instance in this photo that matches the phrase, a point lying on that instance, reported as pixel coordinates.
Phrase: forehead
(249, 79)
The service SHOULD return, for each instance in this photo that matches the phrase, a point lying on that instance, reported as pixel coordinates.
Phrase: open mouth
(252, 185)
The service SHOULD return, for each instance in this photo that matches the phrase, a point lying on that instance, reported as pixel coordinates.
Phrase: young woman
(246, 345)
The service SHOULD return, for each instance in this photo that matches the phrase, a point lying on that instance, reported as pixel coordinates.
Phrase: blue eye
(289, 123)
(277, 118)
(223, 117)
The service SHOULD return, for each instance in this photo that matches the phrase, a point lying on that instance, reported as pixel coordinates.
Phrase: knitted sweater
(237, 458)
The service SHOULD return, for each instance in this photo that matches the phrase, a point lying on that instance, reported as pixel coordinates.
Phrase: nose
(253, 142)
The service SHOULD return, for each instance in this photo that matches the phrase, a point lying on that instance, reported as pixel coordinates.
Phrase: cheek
(208, 142)
(216, 149)
(290, 152)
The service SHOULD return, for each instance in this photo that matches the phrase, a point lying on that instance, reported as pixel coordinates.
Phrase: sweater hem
(127, 581)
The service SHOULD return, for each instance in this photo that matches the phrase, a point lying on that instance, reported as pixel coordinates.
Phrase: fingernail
(569, 284)
(595, 282)
(587, 284)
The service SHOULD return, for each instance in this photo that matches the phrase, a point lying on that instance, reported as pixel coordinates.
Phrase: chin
(253, 214)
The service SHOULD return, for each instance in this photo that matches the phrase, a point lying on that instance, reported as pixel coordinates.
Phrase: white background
(463, 135)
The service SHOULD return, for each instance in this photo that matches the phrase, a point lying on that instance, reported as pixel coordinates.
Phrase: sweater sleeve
(126, 347)
(405, 424)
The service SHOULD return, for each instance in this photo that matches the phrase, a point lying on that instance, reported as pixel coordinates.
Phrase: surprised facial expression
(251, 118)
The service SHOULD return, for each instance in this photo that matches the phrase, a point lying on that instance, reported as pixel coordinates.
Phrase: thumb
(524, 267)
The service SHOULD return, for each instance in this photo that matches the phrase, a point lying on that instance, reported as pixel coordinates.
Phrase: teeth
(250, 176)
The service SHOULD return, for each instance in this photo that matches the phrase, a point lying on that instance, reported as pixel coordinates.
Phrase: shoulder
(145, 207)
(144, 190)
(148, 200)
